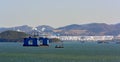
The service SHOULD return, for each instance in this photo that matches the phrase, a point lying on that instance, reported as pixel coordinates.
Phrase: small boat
(43, 45)
(59, 47)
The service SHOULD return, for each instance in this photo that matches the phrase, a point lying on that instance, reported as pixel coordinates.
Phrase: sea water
(73, 51)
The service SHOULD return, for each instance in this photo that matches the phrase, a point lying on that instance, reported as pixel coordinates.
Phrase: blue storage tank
(27, 40)
(45, 41)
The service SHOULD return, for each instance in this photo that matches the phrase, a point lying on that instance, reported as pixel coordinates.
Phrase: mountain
(3, 29)
(90, 29)
(73, 29)
(45, 28)
(29, 29)
(13, 36)
(24, 28)
(117, 25)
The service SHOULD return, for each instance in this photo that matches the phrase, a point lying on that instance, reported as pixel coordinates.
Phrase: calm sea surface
(72, 52)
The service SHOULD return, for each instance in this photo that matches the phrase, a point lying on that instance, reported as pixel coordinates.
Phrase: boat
(59, 46)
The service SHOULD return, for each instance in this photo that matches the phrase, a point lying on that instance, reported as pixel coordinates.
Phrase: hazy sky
(58, 12)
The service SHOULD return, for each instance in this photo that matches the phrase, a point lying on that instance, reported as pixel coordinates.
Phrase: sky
(57, 13)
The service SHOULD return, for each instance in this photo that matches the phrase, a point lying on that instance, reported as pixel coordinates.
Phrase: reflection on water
(72, 52)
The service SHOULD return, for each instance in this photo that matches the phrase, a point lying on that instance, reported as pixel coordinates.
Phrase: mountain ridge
(72, 29)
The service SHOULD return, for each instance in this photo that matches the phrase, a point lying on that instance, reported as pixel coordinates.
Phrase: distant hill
(45, 28)
(28, 29)
(12, 36)
(73, 29)
(90, 29)
(24, 28)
